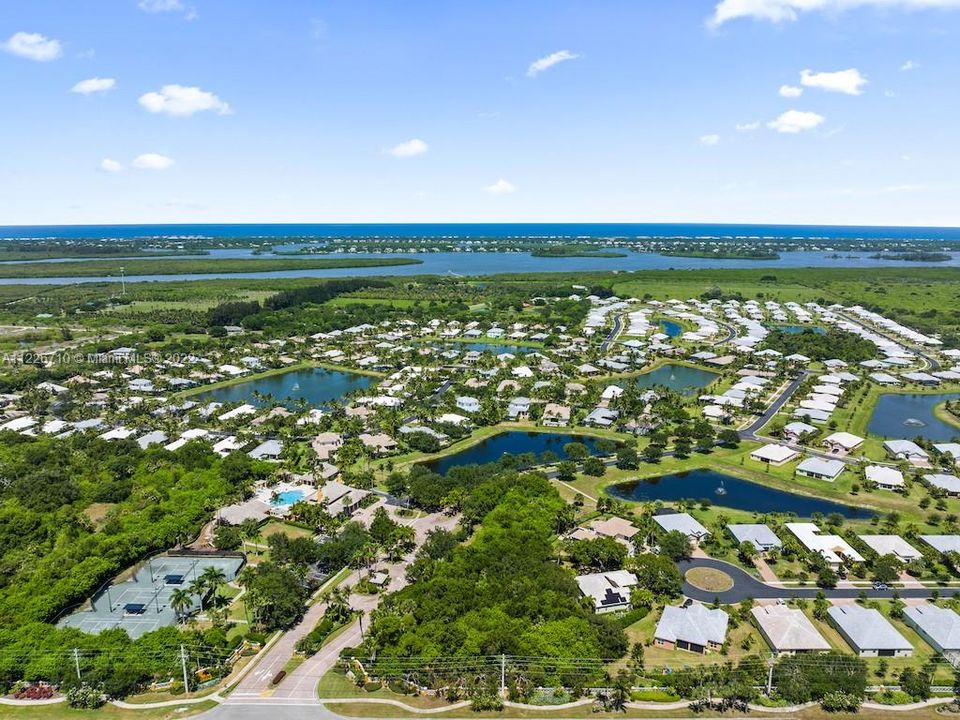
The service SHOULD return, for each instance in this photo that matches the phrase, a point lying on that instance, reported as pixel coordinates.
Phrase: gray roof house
(943, 543)
(267, 450)
(939, 627)
(696, 628)
(684, 522)
(950, 484)
(868, 632)
(787, 630)
(820, 468)
(758, 534)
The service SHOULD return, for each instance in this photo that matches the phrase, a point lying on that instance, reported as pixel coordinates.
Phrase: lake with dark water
(679, 378)
(902, 416)
(317, 386)
(514, 442)
(733, 493)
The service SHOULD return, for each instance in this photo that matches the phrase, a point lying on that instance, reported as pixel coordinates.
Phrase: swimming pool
(286, 498)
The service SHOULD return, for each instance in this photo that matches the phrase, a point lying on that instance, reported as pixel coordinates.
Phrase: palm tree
(213, 577)
(181, 601)
(199, 588)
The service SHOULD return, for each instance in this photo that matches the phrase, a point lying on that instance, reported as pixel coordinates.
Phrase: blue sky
(381, 111)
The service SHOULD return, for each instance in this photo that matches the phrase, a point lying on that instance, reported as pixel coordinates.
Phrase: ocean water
(480, 230)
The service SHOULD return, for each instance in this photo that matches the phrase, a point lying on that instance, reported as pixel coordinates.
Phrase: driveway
(299, 687)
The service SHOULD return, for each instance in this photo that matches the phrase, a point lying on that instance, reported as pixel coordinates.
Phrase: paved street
(746, 586)
(300, 686)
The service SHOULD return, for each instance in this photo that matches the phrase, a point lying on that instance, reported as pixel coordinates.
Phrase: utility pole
(770, 675)
(360, 618)
(503, 673)
(183, 665)
(76, 661)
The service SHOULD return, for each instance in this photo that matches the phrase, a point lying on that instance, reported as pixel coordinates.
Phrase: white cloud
(790, 91)
(909, 65)
(408, 149)
(794, 121)
(182, 101)
(501, 187)
(709, 140)
(161, 6)
(94, 85)
(545, 63)
(110, 166)
(152, 161)
(779, 11)
(32, 46)
(747, 127)
(848, 82)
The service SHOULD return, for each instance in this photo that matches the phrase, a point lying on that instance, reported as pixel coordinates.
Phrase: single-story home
(892, 545)
(696, 628)
(788, 631)
(615, 527)
(905, 450)
(774, 454)
(868, 632)
(820, 468)
(609, 591)
(682, 522)
(950, 484)
(555, 415)
(842, 442)
(943, 543)
(758, 534)
(884, 477)
(833, 548)
(939, 627)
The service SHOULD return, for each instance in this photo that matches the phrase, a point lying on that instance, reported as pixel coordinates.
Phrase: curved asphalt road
(746, 586)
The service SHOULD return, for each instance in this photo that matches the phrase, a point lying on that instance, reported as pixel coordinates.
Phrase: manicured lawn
(107, 712)
(709, 579)
(279, 527)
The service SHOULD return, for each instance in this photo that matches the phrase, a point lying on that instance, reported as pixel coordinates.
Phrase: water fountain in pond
(914, 422)
(721, 490)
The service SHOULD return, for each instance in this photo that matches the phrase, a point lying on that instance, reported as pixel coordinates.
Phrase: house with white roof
(892, 545)
(842, 442)
(884, 477)
(774, 454)
(610, 591)
(227, 445)
(695, 628)
(833, 548)
(788, 631)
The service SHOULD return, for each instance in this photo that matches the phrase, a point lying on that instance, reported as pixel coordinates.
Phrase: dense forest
(822, 346)
(75, 512)
(501, 592)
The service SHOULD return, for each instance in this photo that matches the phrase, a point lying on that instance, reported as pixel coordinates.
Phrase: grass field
(98, 268)
(107, 712)
(709, 579)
